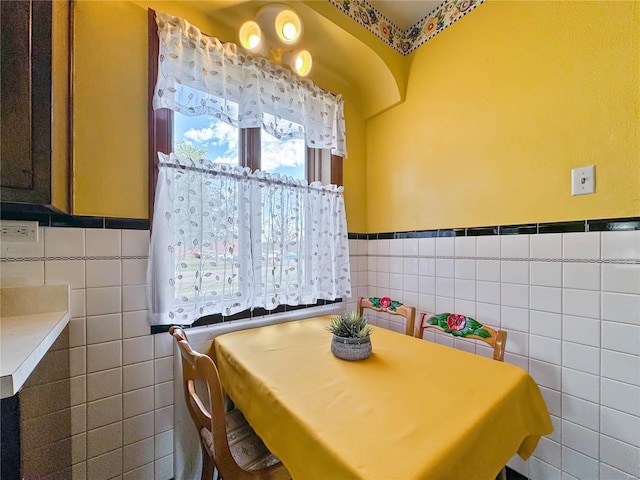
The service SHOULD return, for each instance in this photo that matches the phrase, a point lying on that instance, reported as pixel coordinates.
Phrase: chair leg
(503, 474)
(208, 465)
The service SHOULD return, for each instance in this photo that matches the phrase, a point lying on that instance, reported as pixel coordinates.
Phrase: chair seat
(247, 449)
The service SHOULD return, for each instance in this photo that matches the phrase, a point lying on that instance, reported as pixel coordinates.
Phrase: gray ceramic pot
(351, 348)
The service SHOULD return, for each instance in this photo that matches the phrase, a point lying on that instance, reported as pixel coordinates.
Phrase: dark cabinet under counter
(10, 438)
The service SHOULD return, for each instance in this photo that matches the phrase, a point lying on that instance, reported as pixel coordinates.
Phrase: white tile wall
(116, 432)
(571, 305)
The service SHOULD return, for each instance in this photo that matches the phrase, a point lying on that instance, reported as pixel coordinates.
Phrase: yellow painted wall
(60, 94)
(500, 107)
(110, 110)
(110, 107)
(110, 167)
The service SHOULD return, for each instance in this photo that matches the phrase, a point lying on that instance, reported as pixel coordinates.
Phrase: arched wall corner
(354, 54)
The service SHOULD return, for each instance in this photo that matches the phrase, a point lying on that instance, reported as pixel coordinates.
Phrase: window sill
(231, 325)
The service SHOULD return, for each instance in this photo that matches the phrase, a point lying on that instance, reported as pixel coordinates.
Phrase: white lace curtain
(199, 75)
(226, 240)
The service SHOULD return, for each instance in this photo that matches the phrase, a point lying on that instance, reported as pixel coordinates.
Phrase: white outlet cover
(583, 180)
(18, 231)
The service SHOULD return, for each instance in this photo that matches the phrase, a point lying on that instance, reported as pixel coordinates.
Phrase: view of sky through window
(208, 137)
(286, 157)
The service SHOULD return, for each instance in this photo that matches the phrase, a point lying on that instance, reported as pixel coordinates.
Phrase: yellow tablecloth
(413, 409)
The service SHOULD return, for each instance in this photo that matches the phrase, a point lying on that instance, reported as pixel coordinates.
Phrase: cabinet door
(25, 128)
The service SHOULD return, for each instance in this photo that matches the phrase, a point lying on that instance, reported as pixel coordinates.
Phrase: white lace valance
(199, 75)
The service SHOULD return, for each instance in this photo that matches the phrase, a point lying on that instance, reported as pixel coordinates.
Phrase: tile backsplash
(570, 302)
(121, 377)
(571, 305)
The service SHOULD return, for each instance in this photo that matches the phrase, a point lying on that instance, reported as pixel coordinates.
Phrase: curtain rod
(322, 188)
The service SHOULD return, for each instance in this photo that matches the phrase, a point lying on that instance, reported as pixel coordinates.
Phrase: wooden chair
(464, 327)
(228, 442)
(393, 307)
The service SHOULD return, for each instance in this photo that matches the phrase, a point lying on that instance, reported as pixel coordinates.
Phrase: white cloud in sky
(278, 153)
(199, 136)
(275, 153)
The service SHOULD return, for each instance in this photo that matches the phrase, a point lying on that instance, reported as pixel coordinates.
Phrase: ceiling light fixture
(280, 27)
(300, 62)
(251, 39)
(288, 26)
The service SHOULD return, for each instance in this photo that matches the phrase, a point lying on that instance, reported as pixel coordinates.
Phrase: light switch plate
(583, 180)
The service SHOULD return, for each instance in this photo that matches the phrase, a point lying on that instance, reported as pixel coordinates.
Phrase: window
(228, 240)
(205, 137)
(286, 157)
(166, 128)
(211, 138)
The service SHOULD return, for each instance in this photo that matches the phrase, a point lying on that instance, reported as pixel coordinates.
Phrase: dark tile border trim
(47, 217)
(563, 227)
(603, 225)
(513, 475)
(614, 224)
(518, 229)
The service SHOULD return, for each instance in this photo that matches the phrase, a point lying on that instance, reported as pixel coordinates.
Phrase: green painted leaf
(441, 321)
(474, 324)
(375, 301)
(481, 332)
(394, 304)
(432, 321)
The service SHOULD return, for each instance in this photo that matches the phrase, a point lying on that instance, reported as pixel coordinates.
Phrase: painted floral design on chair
(459, 325)
(385, 303)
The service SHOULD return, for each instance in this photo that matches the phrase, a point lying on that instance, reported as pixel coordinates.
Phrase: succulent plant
(350, 325)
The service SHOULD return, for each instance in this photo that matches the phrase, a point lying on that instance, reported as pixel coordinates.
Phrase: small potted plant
(351, 336)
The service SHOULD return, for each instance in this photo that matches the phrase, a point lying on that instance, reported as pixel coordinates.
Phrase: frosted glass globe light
(251, 38)
(301, 62)
(254, 40)
(289, 31)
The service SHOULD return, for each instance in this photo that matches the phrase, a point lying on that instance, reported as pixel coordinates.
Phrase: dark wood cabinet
(27, 97)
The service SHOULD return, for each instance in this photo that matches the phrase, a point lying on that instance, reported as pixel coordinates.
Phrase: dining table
(413, 409)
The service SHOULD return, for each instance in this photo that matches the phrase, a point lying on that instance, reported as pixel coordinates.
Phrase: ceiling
(405, 13)
(355, 38)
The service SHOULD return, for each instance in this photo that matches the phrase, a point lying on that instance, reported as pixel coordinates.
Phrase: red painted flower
(385, 302)
(456, 322)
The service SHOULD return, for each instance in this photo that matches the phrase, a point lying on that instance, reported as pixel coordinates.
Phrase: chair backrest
(393, 307)
(197, 366)
(464, 327)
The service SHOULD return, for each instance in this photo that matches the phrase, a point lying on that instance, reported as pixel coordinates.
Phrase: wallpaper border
(406, 41)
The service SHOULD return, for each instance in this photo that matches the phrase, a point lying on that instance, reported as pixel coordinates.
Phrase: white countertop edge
(11, 384)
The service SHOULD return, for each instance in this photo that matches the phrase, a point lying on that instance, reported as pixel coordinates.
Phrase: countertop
(31, 319)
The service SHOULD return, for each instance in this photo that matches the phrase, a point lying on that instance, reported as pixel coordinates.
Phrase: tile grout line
(95, 257)
(615, 261)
